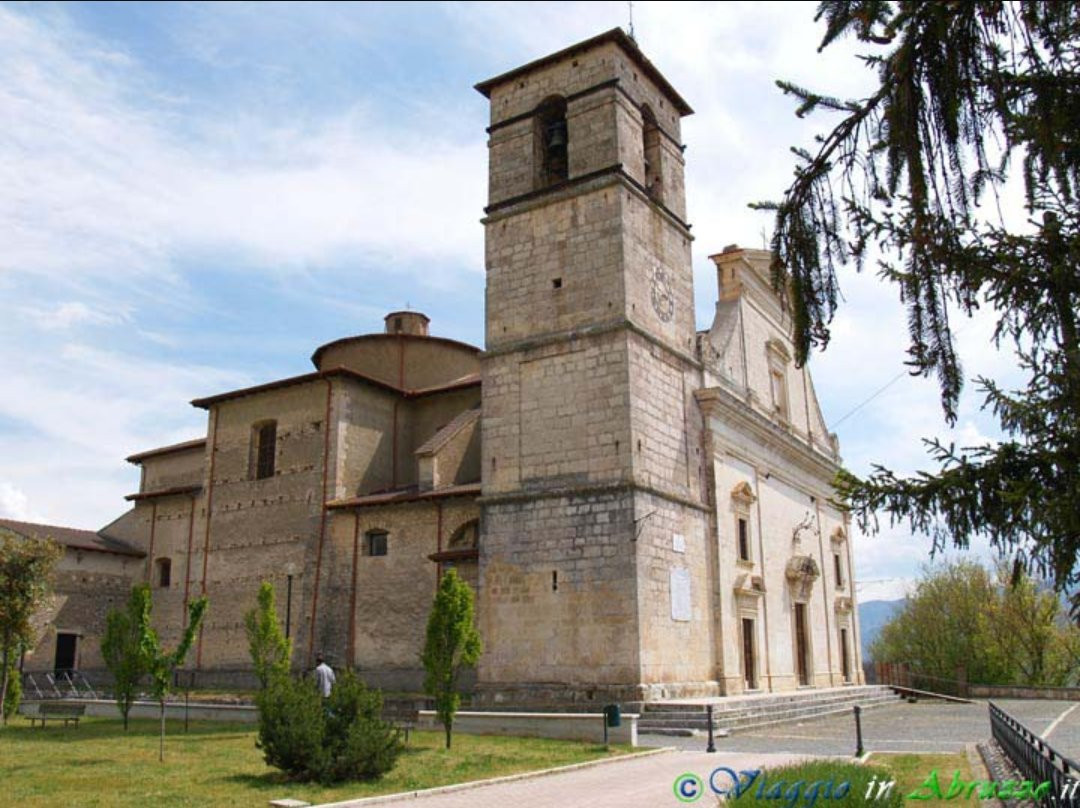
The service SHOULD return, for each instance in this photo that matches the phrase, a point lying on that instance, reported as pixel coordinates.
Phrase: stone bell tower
(594, 558)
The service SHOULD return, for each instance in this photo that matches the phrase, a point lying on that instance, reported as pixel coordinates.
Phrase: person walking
(324, 677)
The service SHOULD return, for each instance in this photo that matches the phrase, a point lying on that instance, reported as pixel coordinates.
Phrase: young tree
(122, 651)
(25, 573)
(270, 649)
(160, 664)
(969, 96)
(453, 644)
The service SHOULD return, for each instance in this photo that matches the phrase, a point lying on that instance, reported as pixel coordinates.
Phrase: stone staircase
(735, 713)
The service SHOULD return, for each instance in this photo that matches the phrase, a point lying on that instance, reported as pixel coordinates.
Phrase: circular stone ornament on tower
(663, 299)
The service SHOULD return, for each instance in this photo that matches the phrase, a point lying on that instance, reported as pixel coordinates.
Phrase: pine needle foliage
(970, 96)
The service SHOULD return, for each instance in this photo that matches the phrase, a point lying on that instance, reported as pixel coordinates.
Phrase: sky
(193, 197)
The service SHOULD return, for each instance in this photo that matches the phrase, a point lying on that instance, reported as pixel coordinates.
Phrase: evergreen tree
(270, 649)
(26, 567)
(122, 651)
(970, 96)
(453, 644)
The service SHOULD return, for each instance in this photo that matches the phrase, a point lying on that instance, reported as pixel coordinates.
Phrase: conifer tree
(453, 644)
(270, 649)
(970, 97)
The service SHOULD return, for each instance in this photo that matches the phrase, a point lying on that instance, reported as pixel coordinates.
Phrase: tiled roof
(440, 438)
(411, 494)
(71, 537)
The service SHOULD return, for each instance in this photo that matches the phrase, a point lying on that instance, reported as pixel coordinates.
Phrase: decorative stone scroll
(801, 572)
(842, 605)
(749, 585)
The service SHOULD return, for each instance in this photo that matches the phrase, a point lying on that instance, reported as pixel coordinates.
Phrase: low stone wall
(1023, 692)
(563, 726)
(102, 708)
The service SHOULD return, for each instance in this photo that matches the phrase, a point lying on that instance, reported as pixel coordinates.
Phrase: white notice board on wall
(680, 594)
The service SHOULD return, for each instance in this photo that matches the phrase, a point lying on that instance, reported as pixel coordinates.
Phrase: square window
(376, 543)
(556, 283)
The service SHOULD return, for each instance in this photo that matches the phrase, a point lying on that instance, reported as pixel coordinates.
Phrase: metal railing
(1036, 759)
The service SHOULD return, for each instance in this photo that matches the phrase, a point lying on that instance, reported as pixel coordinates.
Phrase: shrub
(341, 738)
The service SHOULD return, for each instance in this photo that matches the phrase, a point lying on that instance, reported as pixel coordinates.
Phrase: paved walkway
(646, 782)
(927, 726)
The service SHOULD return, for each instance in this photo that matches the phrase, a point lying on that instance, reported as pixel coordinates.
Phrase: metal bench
(57, 712)
(402, 715)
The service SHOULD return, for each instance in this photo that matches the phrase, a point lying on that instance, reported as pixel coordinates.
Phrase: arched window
(650, 138)
(464, 538)
(263, 449)
(552, 142)
(375, 542)
(163, 568)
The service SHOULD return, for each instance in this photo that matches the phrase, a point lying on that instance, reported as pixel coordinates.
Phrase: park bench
(402, 714)
(48, 711)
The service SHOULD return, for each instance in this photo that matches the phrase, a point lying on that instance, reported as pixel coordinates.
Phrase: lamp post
(290, 571)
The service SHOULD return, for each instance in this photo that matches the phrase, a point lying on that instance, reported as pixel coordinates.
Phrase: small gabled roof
(138, 457)
(443, 436)
(74, 538)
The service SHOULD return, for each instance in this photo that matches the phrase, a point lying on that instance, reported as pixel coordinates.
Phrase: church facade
(643, 508)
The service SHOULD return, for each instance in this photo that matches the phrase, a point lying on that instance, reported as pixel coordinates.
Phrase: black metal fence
(1036, 759)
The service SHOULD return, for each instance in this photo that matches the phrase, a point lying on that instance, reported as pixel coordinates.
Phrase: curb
(509, 778)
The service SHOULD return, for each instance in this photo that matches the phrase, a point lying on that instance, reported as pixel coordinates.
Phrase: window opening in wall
(164, 573)
(552, 138)
(650, 134)
(376, 542)
(744, 539)
(839, 570)
(265, 449)
(554, 581)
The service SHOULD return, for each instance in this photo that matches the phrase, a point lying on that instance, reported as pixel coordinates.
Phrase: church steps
(755, 711)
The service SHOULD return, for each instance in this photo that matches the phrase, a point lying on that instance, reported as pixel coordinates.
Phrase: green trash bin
(613, 715)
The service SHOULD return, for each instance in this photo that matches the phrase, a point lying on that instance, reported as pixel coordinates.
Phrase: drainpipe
(322, 524)
(351, 644)
(209, 515)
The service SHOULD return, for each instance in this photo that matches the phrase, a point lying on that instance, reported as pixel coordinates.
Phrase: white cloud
(14, 504)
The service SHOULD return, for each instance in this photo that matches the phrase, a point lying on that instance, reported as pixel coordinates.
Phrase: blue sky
(195, 196)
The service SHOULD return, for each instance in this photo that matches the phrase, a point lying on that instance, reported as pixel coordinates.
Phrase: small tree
(25, 569)
(453, 644)
(161, 664)
(270, 649)
(14, 689)
(122, 650)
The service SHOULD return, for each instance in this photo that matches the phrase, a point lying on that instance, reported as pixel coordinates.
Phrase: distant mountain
(873, 614)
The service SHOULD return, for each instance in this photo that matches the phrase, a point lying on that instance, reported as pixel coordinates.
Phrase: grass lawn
(911, 771)
(782, 785)
(98, 764)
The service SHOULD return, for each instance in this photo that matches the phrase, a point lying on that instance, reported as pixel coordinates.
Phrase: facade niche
(552, 143)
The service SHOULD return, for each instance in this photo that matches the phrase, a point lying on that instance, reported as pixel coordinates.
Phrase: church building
(643, 508)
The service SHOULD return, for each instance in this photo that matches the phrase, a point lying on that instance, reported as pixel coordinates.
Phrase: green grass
(911, 772)
(98, 764)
